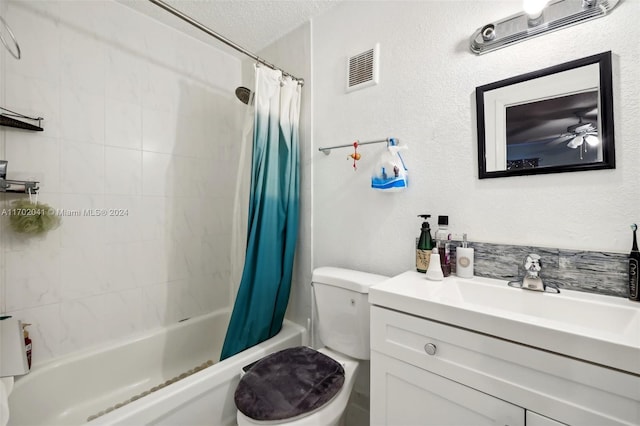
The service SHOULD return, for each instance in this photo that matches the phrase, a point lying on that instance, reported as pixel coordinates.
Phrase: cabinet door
(402, 394)
(535, 419)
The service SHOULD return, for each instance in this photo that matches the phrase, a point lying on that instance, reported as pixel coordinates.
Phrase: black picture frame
(489, 116)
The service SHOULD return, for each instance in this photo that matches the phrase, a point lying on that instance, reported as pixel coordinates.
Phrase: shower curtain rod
(221, 38)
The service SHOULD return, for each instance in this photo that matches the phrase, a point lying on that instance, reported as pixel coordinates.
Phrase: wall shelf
(19, 186)
(10, 118)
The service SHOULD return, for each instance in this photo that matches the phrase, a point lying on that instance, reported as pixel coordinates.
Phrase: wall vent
(362, 69)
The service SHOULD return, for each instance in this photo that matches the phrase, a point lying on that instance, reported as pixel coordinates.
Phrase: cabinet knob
(430, 348)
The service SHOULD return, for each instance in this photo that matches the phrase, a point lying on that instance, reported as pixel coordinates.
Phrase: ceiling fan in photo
(579, 133)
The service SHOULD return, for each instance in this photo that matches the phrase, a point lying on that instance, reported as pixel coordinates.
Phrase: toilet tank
(343, 309)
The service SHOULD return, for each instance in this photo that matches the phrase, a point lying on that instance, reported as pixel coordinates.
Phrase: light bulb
(575, 142)
(592, 140)
(533, 8)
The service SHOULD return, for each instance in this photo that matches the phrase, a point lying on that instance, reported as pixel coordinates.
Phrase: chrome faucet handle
(531, 280)
(532, 265)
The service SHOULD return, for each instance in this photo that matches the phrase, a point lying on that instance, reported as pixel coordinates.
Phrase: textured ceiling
(252, 24)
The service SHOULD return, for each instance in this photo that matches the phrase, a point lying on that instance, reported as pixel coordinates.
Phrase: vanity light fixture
(537, 18)
(533, 9)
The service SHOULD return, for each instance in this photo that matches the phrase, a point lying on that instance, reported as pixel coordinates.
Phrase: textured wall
(254, 25)
(426, 98)
(137, 117)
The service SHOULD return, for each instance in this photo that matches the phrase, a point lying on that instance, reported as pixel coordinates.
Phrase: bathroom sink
(600, 329)
(582, 312)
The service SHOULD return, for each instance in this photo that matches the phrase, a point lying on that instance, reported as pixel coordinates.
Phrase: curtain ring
(16, 54)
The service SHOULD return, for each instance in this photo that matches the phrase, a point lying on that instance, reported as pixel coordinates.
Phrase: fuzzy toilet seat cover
(288, 383)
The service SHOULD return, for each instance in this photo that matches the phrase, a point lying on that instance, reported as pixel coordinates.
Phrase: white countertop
(595, 328)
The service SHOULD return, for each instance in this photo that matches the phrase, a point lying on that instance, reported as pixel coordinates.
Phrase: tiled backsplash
(588, 271)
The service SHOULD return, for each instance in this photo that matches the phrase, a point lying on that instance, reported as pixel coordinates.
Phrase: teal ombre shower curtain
(273, 214)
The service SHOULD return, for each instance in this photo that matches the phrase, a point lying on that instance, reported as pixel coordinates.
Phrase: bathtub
(73, 389)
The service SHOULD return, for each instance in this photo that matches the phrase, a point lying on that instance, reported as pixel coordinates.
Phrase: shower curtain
(273, 214)
(241, 198)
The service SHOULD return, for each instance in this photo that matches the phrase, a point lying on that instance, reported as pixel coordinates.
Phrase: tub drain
(153, 389)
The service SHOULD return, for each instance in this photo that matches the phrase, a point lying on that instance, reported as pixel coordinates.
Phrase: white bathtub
(68, 391)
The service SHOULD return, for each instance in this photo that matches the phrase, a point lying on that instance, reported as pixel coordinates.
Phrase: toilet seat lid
(288, 383)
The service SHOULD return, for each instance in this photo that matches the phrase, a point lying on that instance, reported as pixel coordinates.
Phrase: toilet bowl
(331, 413)
(343, 323)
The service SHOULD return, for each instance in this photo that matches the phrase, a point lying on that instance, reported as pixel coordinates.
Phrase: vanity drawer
(566, 389)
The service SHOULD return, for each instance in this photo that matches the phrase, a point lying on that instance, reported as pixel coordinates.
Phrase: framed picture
(558, 119)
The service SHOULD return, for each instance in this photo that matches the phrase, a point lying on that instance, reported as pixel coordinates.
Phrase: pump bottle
(424, 246)
(464, 259)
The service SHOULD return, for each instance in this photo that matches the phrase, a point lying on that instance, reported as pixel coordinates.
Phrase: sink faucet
(531, 280)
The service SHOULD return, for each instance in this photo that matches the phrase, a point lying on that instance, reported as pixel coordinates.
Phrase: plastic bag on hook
(390, 174)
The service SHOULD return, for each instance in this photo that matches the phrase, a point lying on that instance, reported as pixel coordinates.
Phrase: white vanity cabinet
(425, 372)
(403, 394)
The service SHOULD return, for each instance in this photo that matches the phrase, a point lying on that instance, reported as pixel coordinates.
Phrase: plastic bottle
(442, 242)
(464, 259)
(634, 264)
(424, 246)
(434, 273)
(27, 343)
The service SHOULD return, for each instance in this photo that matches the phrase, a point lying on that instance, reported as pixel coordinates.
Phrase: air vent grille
(362, 69)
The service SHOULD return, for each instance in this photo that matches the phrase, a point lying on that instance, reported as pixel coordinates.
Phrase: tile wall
(139, 119)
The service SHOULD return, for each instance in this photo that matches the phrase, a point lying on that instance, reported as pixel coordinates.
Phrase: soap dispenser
(424, 246)
(464, 259)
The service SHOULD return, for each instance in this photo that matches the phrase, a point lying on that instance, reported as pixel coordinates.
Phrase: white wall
(138, 117)
(426, 99)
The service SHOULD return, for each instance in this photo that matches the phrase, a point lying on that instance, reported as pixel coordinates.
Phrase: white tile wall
(138, 117)
(3, 300)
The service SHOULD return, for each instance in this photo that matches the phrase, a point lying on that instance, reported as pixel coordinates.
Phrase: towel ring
(15, 53)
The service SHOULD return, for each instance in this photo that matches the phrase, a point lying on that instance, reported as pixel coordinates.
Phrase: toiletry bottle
(27, 343)
(464, 259)
(442, 241)
(425, 245)
(634, 263)
(434, 273)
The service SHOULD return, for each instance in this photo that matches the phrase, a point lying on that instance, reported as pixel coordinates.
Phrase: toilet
(343, 325)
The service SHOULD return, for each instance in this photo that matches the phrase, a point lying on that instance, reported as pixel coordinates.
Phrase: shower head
(243, 94)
